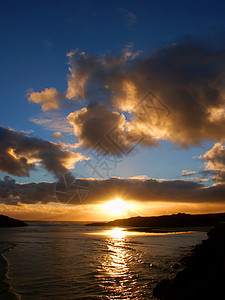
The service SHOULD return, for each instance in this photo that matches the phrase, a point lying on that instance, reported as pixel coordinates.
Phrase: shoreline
(203, 273)
(6, 291)
(170, 230)
(180, 220)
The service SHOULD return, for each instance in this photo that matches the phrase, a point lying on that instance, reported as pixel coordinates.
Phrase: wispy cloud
(188, 172)
(53, 122)
(128, 16)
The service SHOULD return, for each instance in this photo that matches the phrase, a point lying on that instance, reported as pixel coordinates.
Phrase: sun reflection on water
(120, 269)
(115, 264)
(117, 233)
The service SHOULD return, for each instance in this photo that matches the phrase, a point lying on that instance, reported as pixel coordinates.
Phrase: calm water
(73, 261)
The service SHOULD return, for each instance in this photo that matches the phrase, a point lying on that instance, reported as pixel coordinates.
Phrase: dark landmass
(204, 274)
(9, 222)
(169, 230)
(167, 221)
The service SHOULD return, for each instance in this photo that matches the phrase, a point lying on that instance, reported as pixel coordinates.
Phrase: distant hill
(9, 222)
(167, 221)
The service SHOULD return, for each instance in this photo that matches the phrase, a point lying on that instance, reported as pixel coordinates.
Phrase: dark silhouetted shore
(9, 222)
(204, 274)
(178, 221)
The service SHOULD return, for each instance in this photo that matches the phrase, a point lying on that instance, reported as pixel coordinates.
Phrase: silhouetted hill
(9, 222)
(167, 221)
(204, 274)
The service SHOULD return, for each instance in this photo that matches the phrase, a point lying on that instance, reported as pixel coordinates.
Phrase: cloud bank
(148, 190)
(69, 190)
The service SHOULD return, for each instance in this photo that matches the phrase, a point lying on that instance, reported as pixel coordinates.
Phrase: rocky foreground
(203, 278)
(9, 222)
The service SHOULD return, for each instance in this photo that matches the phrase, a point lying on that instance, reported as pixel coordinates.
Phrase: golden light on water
(115, 265)
(115, 268)
(117, 233)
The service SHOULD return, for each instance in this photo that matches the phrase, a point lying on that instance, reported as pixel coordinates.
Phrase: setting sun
(116, 207)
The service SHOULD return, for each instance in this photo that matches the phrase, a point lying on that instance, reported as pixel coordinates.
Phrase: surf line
(6, 290)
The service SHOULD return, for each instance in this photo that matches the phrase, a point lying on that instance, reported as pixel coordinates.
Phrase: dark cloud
(12, 193)
(189, 77)
(175, 93)
(106, 130)
(186, 105)
(97, 191)
(19, 154)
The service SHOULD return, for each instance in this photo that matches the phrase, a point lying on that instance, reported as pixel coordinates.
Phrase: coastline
(166, 221)
(204, 272)
(170, 230)
(6, 291)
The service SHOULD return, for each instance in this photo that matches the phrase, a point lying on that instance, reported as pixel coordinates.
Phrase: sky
(111, 108)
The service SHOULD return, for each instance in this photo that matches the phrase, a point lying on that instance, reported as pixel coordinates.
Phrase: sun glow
(117, 233)
(116, 207)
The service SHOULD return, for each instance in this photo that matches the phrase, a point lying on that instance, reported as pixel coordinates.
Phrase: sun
(116, 207)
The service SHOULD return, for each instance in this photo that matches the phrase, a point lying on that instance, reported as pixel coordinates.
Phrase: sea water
(68, 260)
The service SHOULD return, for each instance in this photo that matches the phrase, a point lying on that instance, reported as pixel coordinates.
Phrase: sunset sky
(111, 108)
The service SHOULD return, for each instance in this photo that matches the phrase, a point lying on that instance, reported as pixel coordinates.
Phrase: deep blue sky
(36, 35)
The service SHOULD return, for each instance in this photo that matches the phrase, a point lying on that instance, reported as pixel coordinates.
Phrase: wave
(6, 291)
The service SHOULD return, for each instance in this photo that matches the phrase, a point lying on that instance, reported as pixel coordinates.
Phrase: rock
(204, 275)
(153, 266)
(217, 232)
(9, 222)
(162, 288)
(184, 260)
(175, 266)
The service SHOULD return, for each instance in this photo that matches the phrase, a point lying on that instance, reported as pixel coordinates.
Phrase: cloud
(49, 99)
(19, 154)
(215, 164)
(79, 71)
(53, 122)
(106, 130)
(58, 135)
(13, 193)
(188, 172)
(187, 79)
(144, 190)
(175, 93)
(201, 179)
(128, 16)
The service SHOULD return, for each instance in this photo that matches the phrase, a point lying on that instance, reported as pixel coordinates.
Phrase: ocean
(68, 260)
